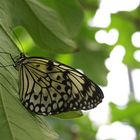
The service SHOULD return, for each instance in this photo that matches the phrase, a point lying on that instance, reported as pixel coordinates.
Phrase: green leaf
(70, 13)
(69, 115)
(40, 21)
(129, 114)
(15, 121)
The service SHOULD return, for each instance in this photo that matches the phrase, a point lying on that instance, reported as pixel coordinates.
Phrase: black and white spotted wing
(49, 87)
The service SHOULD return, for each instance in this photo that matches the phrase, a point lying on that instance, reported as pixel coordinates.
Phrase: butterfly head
(19, 61)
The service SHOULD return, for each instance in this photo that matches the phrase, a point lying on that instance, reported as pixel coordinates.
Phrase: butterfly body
(50, 87)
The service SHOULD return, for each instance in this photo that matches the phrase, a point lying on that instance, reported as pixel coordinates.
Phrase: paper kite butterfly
(49, 87)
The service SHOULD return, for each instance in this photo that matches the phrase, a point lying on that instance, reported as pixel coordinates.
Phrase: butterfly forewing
(49, 87)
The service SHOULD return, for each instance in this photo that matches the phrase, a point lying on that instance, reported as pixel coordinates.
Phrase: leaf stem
(131, 84)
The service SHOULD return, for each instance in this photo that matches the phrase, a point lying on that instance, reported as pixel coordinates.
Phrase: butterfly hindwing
(49, 87)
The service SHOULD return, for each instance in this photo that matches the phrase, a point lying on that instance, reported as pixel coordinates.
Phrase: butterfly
(48, 87)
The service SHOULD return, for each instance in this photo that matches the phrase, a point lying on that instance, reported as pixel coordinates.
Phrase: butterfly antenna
(3, 66)
(9, 55)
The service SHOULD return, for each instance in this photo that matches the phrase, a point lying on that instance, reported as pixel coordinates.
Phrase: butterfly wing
(49, 87)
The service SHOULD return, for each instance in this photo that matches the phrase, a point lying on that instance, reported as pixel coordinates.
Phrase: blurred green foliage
(76, 129)
(59, 30)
